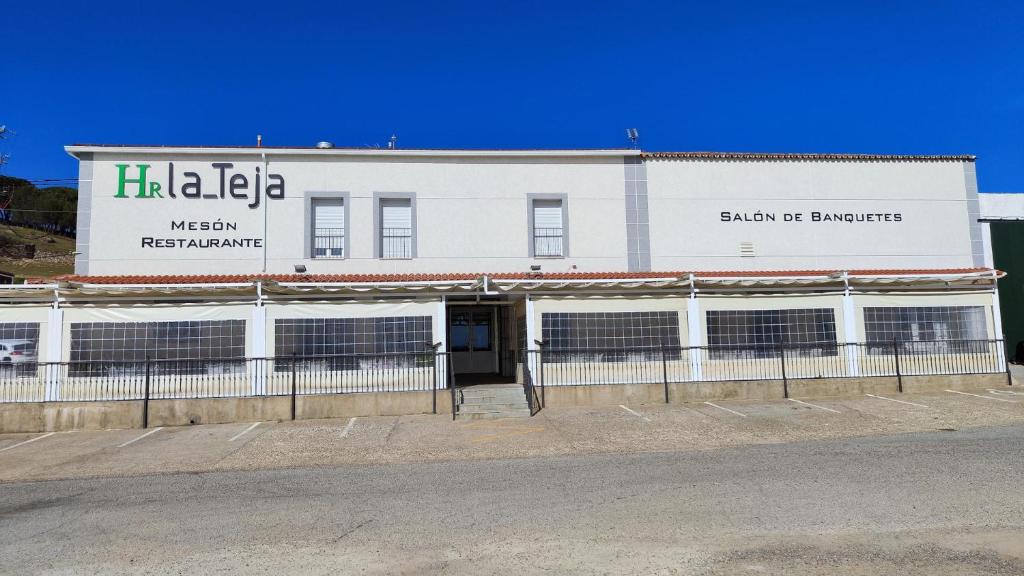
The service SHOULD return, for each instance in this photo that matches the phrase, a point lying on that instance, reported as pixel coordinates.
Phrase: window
(338, 343)
(610, 336)
(548, 228)
(927, 329)
(206, 341)
(760, 333)
(396, 228)
(328, 228)
(19, 343)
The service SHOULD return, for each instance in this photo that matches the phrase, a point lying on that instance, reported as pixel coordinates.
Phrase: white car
(17, 352)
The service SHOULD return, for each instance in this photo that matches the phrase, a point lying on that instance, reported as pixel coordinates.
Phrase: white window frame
(379, 200)
(313, 197)
(532, 200)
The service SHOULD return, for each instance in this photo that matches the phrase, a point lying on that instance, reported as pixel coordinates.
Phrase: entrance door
(471, 336)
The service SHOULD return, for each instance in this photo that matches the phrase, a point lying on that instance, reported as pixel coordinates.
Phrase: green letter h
(122, 180)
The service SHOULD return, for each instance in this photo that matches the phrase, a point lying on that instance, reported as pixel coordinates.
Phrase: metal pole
(785, 382)
(294, 364)
(896, 355)
(451, 383)
(664, 372)
(145, 398)
(1006, 361)
(433, 379)
(540, 368)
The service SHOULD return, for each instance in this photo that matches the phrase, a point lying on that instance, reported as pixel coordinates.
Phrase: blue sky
(784, 76)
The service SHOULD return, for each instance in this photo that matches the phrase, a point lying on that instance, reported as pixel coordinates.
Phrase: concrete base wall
(218, 410)
(927, 384)
(843, 387)
(61, 416)
(371, 404)
(614, 394)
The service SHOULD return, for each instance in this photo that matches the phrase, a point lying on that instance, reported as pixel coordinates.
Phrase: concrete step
(492, 415)
(478, 408)
(501, 399)
(520, 413)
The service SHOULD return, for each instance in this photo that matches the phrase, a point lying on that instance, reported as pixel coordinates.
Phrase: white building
(223, 253)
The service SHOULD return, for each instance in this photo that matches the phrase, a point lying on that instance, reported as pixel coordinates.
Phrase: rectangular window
(349, 343)
(328, 229)
(760, 333)
(548, 229)
(396, 228)
(19, 345)
(926, 329)
(96, 345)
(610, 336)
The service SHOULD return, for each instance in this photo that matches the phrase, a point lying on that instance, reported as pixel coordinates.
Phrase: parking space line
(27, 441)
(637, 414)
(895, 400)
(348, 427)
(813, 405)
(1005, 392)
(242, 433)
(980, 396)
(132, 441)
(726, 409)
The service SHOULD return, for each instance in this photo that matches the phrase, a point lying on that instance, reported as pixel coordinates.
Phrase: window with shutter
(547, 228)
(396, 228)
(329, 229)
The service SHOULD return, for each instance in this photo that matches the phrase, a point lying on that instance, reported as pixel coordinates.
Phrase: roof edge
(809, 156)
(75, 149)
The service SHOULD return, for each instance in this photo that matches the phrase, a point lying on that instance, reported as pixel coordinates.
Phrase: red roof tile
(468, 277)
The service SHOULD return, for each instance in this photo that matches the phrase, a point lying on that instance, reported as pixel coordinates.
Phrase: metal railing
(396, 243)
(547, 242)
(430, 370)
(589, 366)
(224, 377)
(329, 243)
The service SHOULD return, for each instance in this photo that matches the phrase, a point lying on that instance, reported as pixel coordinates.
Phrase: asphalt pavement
(928, 503)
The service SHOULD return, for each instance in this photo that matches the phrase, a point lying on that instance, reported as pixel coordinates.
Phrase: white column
(694, 337)
(997, 326)
(54, 353)
(850, 334)
(531, 336)
(442, 338)
(258, 368)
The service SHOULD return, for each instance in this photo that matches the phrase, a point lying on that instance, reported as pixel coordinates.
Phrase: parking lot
(608, 429)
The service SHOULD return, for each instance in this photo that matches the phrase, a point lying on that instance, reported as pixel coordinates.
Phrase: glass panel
(926, 329)
(611, 336)
(481, 331)
(459, 333)
(760, 333)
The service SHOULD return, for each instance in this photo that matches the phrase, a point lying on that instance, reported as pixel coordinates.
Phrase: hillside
(54, 253)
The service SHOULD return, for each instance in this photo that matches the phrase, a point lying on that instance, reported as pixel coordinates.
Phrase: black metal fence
(225, 377)
(432, 370)
(574, 367)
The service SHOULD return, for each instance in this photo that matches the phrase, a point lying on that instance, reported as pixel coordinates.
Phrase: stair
(487, 401)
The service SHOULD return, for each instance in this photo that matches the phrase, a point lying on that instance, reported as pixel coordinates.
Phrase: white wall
(687, 197)
(471, 213)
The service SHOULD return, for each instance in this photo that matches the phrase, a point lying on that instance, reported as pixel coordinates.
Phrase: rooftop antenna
(393, 142)
(259, 140)
(634, 137)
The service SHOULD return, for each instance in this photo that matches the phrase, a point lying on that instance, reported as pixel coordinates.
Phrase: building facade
(705, 262)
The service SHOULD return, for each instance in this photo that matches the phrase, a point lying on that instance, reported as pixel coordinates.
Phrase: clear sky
(784, 76)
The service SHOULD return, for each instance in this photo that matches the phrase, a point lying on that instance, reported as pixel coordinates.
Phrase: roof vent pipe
(324, 145)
